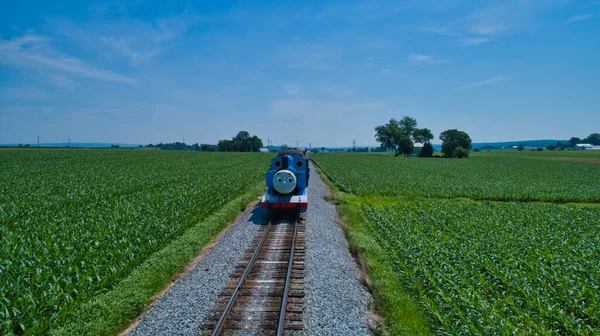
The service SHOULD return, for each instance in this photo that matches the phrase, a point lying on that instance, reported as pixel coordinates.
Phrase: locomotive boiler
(287, 181)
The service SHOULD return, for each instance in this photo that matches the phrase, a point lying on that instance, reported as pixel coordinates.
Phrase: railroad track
(266, 291)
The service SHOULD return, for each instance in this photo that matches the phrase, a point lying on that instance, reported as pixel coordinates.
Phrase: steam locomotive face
(284, 181)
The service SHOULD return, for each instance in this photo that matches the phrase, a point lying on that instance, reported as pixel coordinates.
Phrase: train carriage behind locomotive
(287, 181)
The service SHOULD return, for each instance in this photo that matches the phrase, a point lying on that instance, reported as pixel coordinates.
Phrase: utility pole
(353, 146)
(69, 142)
(309, 145)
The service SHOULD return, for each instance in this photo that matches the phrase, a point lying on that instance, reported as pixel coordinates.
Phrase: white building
(587, 147)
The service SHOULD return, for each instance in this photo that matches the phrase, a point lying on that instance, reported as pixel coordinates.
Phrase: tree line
(242, 142)
(400, 137)
(592, 139)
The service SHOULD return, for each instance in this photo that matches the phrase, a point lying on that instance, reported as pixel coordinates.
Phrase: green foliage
(111, 312)
(476, 267)
(73, 223)
(242, 142)
(396, 135)
(574, 141)
(405, 146)
(422, 135)
(426, 151)
(407, 126)
(388, 135)
(495, 176)
(483, 268)
(520, 148)
(401, 311)
(452, 139)
(460, 152)
(551, 147)
(184, 147)
(593, 139)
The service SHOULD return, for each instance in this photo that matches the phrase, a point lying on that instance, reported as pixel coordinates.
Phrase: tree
(593, 139)
(551, 147)
(255, 144)
(460, 152)
(426, 151)
(208, 148)
(574, 141)
(407, 126)
(452, 139)
(242, 142)
(224, 145)
(520, 148)
(388, 135)
(399, 135)
(405, 146)
(422, 135)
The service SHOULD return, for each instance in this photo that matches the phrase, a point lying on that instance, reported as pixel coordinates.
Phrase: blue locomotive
(287, 180)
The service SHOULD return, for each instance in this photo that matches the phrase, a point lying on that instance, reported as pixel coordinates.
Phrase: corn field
(74, 222)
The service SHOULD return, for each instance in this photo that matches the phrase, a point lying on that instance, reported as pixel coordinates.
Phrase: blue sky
(319, 72)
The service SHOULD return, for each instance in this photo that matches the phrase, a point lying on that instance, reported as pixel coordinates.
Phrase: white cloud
(581, 17)
(425, 59)
(34, 51)
(61, 81)
(136, 40)
(493, 21)
(487, 24)
(472, 41)
(486, 82)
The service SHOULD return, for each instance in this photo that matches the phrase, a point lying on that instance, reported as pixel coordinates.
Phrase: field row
(494, 177)
(485, 268)
(75, 222)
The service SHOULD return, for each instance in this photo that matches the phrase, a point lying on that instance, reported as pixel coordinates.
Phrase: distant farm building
(524, 147)
(417, 148)
(264, 150)
(587, 147)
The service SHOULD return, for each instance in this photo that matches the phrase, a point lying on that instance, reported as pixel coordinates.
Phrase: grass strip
(115, 310)
(399, 310)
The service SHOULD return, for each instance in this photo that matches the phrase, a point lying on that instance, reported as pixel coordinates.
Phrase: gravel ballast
(180, 310)
(336, 300)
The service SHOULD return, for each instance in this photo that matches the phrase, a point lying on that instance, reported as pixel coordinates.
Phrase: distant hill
(74, 145)
(525, 143)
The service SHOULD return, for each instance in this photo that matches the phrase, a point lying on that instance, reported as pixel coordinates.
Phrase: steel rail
(286, 286)
(221, 322)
